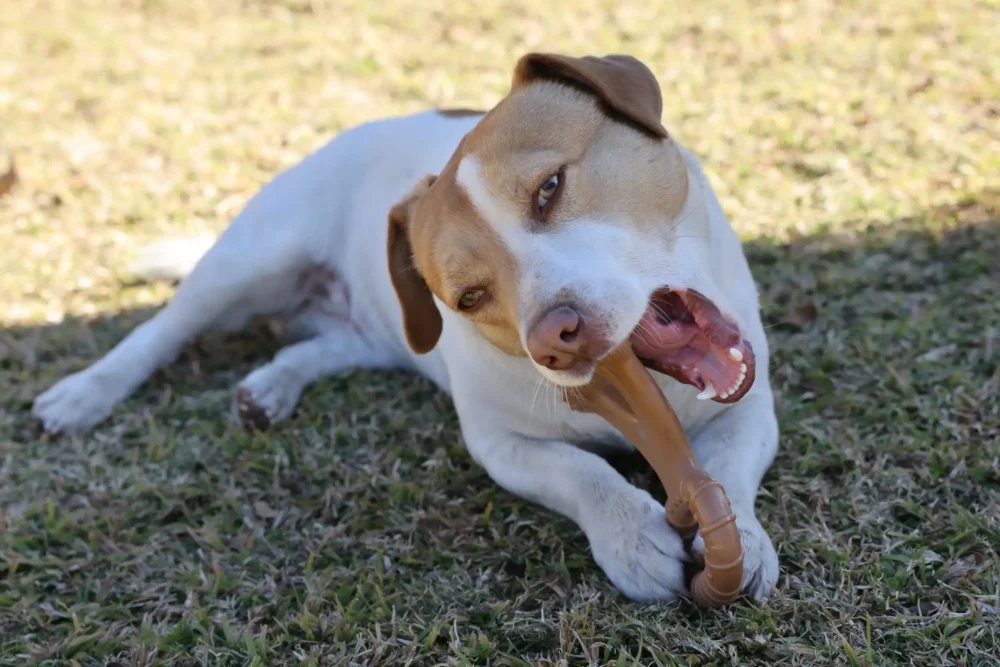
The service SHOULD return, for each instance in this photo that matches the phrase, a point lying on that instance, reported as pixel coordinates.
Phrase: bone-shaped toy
(624, 393)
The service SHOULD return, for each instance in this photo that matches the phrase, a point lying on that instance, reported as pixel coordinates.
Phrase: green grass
(855, 146)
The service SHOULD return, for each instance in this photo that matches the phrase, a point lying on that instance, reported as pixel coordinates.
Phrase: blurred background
(855, 146)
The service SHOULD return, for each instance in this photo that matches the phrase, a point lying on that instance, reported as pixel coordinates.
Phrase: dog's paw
(639, 551)
(760, 560)
(267, 396)
(74, 404)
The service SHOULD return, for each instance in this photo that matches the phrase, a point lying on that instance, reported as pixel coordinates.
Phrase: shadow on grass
(363, 525)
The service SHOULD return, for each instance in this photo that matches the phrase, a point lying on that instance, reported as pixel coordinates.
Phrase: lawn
(856, 147)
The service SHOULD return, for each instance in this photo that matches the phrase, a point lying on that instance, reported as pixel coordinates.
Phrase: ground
(855, 146)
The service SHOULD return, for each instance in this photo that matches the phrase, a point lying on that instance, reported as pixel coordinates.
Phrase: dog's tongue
(683, 334)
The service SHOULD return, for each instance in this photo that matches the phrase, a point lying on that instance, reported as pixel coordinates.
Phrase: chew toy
(625, 394)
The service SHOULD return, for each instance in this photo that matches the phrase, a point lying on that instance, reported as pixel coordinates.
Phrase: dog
(493, 253)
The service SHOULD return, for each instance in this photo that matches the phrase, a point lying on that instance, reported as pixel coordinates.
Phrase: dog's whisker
(682, 219)
(534, 397)
(641, 332)
(778, 324)
(661, 313)
(528, 377)
(405, 270)
(549, 396)
(555, 400)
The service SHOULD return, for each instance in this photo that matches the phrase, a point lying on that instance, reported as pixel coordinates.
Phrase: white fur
(309, 250)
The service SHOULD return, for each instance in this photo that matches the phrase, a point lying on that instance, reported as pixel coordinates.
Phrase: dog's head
(563, 225)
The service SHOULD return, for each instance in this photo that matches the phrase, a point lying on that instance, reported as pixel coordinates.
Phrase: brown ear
(626, 87)
(421, 319)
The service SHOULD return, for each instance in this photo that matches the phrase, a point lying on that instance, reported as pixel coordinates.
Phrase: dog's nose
(562, 341)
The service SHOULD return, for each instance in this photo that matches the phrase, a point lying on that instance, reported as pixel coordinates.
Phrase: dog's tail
(169, 260)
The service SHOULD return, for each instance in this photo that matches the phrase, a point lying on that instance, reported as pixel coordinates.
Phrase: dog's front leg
(628, 533)
(736, 448)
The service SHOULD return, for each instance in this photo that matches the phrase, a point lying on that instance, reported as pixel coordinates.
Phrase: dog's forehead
(496, 165)
(459, 200)
(471, 179)
(543, 118)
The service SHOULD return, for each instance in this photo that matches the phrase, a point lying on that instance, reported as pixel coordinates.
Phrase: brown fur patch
(421, 319)
(456, 251)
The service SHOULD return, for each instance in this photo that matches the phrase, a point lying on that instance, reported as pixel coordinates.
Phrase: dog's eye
(470, 299)
(548, 190)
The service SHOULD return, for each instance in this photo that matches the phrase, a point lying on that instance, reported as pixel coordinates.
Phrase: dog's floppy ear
(627, 88)
(421, 319)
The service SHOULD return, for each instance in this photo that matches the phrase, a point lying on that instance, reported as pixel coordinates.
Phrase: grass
(855, 146)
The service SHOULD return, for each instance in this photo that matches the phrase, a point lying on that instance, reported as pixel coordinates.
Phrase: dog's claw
(252, 416)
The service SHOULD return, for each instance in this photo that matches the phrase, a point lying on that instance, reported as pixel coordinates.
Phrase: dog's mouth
(682, 334)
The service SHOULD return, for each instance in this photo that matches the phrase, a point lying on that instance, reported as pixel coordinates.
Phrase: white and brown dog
(561, 224)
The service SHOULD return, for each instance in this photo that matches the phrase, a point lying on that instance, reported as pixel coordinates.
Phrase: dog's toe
(642, 555)
(267, 396)
(251, 415)
(74, 404)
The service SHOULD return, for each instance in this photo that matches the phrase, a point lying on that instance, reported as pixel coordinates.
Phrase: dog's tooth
(743, 369)
(708, 393)
(725, 395)
(735, 354)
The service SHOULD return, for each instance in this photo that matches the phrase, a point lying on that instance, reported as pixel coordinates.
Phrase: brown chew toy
(624, 393)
